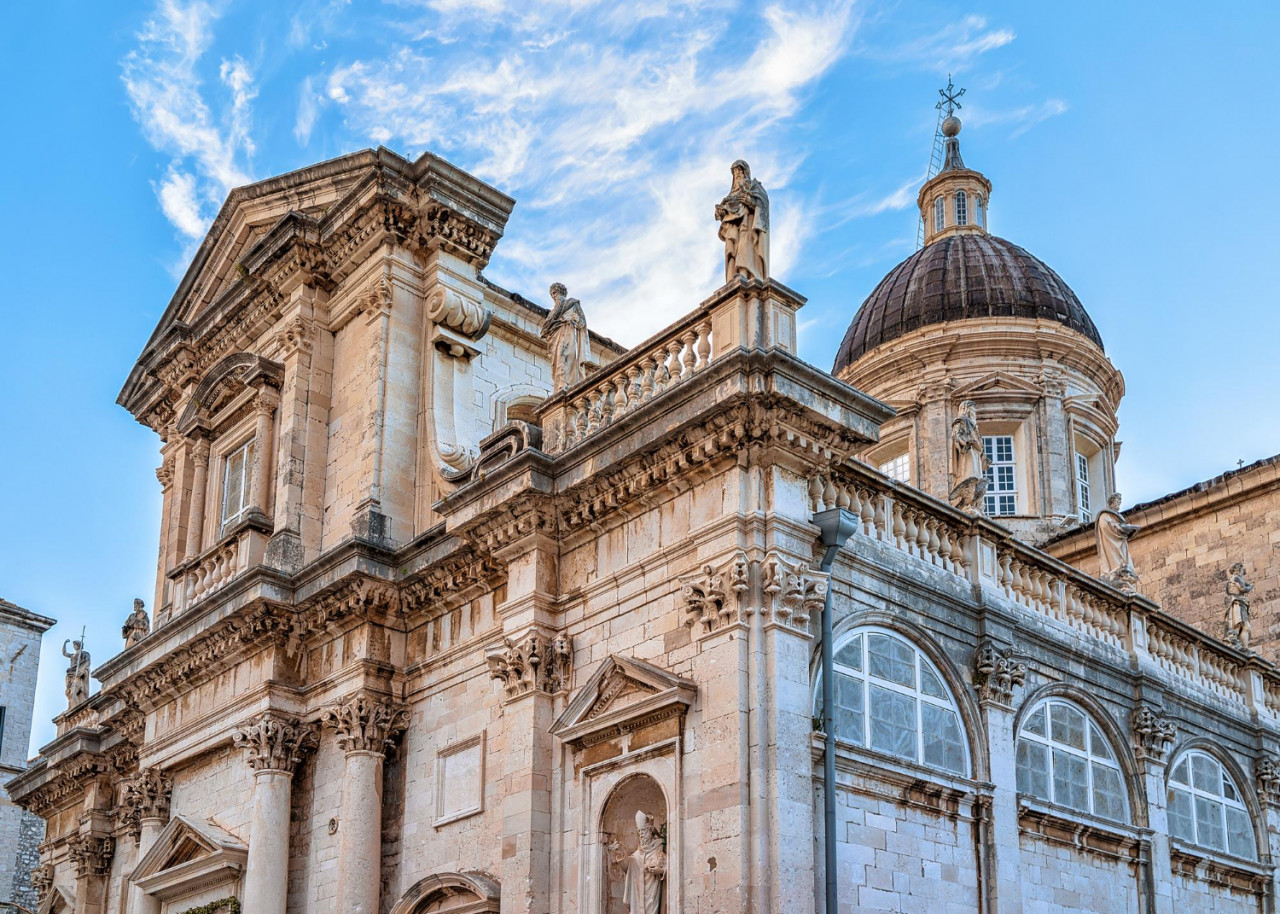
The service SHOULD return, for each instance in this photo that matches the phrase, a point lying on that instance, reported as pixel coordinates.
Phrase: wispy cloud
(950, 49)
(1022, 118)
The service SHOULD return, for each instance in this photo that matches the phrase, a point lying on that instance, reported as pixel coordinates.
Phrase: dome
(959, 277)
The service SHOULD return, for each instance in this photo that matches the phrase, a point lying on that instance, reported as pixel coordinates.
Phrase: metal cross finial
(950, 97)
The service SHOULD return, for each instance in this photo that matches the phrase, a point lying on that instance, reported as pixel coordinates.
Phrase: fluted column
(275, 745)
(263, 448)
(146, 803)
(366, 727)
(199, 483)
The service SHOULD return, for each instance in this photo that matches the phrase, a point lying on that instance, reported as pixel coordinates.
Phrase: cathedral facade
(463, 608)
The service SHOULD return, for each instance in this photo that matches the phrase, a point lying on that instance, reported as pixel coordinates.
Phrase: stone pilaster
(146, 811)
(264, 410)
(274, 745)
(199, 450)
(91, 854)
(366, 727)
(1153, 735)
(996, 673)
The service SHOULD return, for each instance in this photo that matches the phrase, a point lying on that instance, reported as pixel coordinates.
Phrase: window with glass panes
(1002, 488)
(939, 214)
(890, 698)
(962, 208)
(1064, 758)
(898, 467)
(1205, 808)
(235, 483)
(1083, 494)
(979, 212)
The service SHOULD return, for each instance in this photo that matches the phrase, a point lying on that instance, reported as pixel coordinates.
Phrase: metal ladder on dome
(935, 164)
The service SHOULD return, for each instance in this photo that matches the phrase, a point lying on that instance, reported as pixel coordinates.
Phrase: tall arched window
(939, 214)
(1205, 807)
(979, 212)
(890, 698)
(962, 208)
(1064, 758)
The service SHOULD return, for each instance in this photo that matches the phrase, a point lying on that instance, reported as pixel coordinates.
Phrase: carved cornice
(448, 583)
(274, 742)
(996, 671)
(366, 723)
(146, 796)
(1153, 732)
(91, 855)
(535, 661)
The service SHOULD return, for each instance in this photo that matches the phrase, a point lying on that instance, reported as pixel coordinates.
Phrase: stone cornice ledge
(1219, 869)
(1073, 829)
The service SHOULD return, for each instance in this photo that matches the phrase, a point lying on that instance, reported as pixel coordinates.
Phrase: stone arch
(236, 370)
(960, 687)
(1117, 737)
(515, 396)
(1245, 785)
(617, 822)
(455, 893)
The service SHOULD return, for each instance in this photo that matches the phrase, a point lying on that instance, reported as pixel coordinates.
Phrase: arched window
(980, 212)
(939, 214)
(890, 698)
(962, 208)
(1205, 807)
(1064, 758)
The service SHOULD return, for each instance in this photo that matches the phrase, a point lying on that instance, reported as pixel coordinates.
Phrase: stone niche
(624, 729)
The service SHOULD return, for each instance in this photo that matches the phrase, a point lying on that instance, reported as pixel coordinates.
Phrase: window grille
(236, 483)
(1002, 488)
(1205, 807)
(962, 208)
(1062, 757)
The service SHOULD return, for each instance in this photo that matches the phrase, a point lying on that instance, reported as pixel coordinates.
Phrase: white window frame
(962, 208)
(1084, 489)
(897, 467)
(866, 679)
(1224, 802)
(939, 214)
(1088, 754)
(980, 210)
(994, 502)
(245, 449)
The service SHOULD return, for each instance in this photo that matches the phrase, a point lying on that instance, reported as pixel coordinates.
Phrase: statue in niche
(744, 226)
(137, 626)
(565, 331)
(1238, 590)
(645, 869)
(1113, 533)
(968, 462)
(77, 672)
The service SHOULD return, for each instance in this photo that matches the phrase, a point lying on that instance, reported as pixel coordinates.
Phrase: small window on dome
(939, 214)
(962, 208)
(979, 212)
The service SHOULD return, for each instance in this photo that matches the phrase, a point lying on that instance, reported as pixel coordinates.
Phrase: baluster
(899, 527)
(621, 395)
(935, 545)
(881, 516)
(687, 342)
(635, 393)
(646, 379)
(580, 405)
(815, 494)
(828, 495)
(704, 344)
(842, 497)
(868, 512)
(606, 403)
(673, 362)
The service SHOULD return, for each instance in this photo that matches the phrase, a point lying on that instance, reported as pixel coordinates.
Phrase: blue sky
(1132, 147)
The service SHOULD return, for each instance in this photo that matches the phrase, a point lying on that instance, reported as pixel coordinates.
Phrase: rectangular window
(939, 214)
(1083, 494)
(1002, 487)
(235, 483)
(980, 212)
(898, 468)
(962, 208)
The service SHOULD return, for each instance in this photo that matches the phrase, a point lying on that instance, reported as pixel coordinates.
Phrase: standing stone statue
(968, 462)
(77, 672)
(744, 226)
(1238, 590)
(1113, 534)
(646, 870)
(565, 330)
(137, 626)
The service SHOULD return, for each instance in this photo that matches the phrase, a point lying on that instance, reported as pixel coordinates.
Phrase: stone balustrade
(213, 569)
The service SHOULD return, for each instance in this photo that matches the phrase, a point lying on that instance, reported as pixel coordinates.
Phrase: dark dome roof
(970, 275)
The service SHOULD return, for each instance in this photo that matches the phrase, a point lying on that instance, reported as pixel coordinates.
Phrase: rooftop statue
(1238, 590)
(137, 626)
(1113, 534)
(744, 226)
(565, 330)
(77, 672)
(968, 462)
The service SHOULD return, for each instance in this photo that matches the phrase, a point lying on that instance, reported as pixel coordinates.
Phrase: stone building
(20, 831)
(436, 633)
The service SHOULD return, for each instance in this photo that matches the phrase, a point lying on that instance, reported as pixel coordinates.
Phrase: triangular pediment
(996, 384)
(621, 694)
(60, 898)
(190, 855)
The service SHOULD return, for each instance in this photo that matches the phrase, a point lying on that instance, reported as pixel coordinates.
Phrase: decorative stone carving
(274, 742)
(532, 662)
(1268, 770)
(565, 331)
(91, 854)
(705, 594)
(164, 472)
(793, 593)
(1153, 732)
(744, 226)
(1113, 533)
(137, 626)
(646, 869)
(77, 672)
(365, 724)
(146, 796)
(1238, 622)
(467, 317)
(968, 462)
(297, 335)
(42, 881)
(995, 673)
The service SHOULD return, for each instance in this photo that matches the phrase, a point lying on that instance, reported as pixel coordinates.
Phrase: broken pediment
(623, 694)
(997, 384)
(190, 856)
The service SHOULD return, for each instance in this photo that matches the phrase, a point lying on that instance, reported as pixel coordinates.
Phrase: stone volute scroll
(1153, 732)
(744, 226)
(459, 319)
(1238, 622)
(137, 626)
(968, 462)
(565, 331)
(996, 671)
(1112, 533)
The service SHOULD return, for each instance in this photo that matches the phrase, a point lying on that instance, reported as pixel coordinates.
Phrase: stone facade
(20, 831)
(446, 640)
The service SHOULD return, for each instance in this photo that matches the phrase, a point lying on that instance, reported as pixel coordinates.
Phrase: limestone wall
(1058, 879)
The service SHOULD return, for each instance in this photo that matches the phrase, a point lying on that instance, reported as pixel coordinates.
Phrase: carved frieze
(365, 723)
(91, 855)
(534, 661)
(1268, 776)
(274, 742)
(1153, 732)
(792, 592)
(146, 796)
(996, 671)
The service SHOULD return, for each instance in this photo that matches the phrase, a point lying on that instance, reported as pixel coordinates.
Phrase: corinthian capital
(274, 742)
(365, 723)
(146, 796)
(91, 854)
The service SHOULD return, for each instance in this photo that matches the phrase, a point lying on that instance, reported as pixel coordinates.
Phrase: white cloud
(177, 193)
(1022, 118)
(309, 102)
(950, 49)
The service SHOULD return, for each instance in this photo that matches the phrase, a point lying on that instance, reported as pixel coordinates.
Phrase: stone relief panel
(460, 780)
